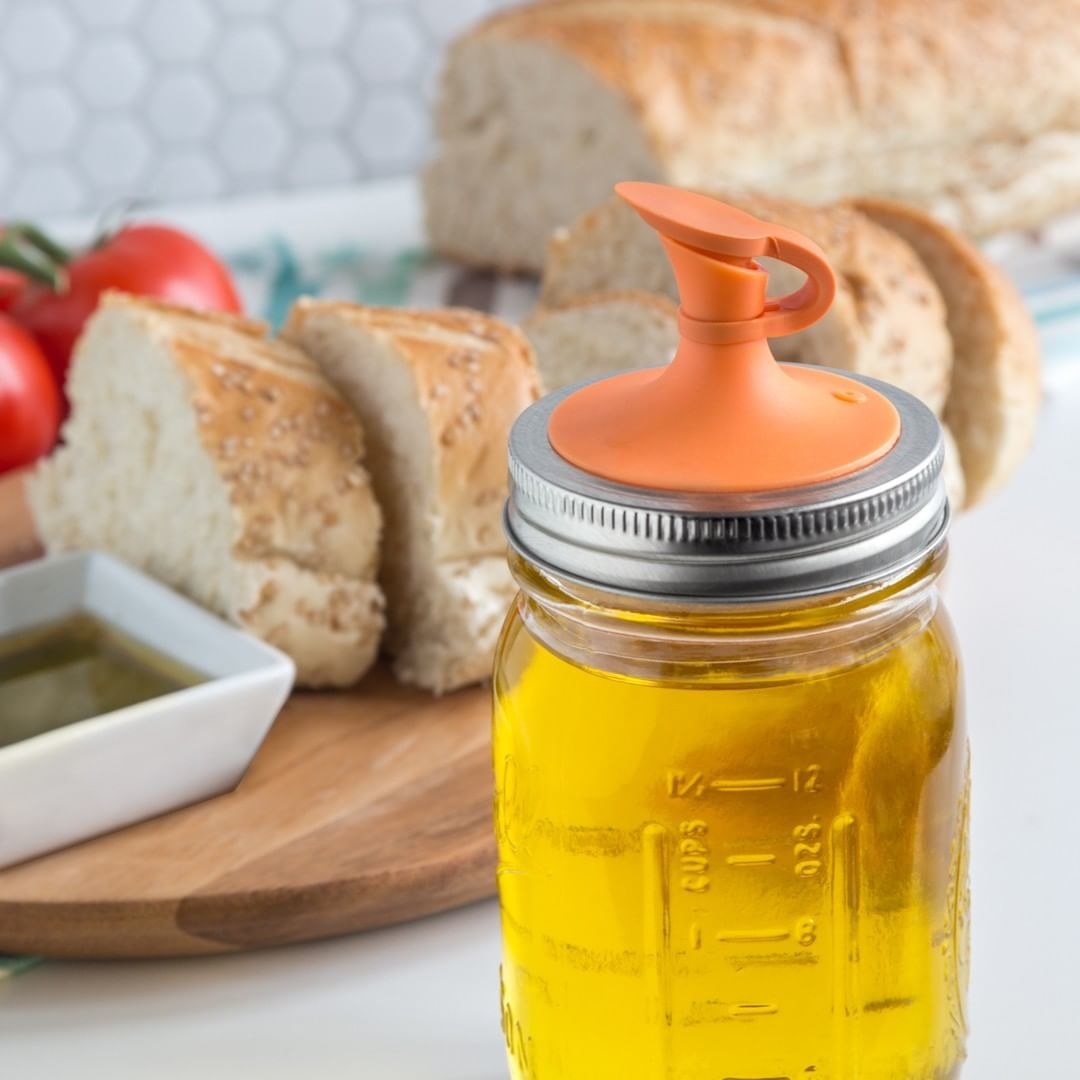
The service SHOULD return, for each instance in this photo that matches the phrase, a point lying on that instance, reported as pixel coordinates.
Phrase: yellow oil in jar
(734, 873)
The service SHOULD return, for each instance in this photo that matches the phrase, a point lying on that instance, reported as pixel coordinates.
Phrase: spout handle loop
(808, 303)
(726, 234)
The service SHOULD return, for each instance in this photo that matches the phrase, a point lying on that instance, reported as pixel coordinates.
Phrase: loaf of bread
(437, 393)
(887, 321)
(916, 305)
(969, 109)
(224, 464)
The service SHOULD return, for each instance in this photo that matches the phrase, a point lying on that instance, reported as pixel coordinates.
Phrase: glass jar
(731, 778)
(730, 763)
(731, 840)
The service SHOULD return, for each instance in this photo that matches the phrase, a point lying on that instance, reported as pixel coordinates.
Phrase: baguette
(888, 319)
(225, 465)
(994, 397)
(544, 107)
(437, 393)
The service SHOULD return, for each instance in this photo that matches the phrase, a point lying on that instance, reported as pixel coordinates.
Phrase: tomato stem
(40, 240)
(115, 218)
(45, 270)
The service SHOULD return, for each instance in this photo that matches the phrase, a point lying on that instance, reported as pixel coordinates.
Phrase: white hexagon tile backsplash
(178, 100)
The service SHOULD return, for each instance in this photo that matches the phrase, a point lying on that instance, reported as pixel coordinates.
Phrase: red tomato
(12, 284)
(150, 260)
(29, 399)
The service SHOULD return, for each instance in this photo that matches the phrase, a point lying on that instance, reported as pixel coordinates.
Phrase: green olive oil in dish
(80, 667)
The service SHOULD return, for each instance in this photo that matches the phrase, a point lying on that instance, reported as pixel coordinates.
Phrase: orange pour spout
(724, 416)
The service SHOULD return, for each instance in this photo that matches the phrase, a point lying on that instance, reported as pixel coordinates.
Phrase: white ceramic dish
(101, 774)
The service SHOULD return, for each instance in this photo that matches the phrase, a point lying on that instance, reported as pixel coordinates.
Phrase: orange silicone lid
(724, 416)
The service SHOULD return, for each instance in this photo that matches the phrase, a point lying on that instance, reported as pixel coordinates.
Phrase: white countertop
(419, 1002)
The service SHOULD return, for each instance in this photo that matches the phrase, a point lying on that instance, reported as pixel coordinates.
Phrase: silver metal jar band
(871, 525)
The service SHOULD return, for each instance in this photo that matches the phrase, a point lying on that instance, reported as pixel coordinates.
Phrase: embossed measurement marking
(683, 785)
(745, 936)
(657, 904)
(809, 852)
(750, 1009)
(845, 918)
(692, 785)
(805, 933)
(805, 1072)
(750, 860)
(769, 783)
(694, 856)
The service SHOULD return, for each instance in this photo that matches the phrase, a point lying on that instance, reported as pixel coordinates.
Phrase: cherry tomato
(29, 398)
(146, 259)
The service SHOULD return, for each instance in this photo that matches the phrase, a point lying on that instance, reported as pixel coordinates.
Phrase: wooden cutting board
(362, 809)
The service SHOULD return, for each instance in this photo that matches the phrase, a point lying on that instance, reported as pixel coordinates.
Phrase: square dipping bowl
(97, 775)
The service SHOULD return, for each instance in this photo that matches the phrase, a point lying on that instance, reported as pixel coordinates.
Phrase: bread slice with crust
(601, 332)
(437, 392)
(224, 464)
(996, 389)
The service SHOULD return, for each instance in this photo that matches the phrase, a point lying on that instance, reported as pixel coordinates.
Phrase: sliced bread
(994, 397)
(224, 464)
(598, 333)
(888, 320)
(437, 392)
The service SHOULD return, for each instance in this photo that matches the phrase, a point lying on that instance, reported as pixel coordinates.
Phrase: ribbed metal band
(871, 525)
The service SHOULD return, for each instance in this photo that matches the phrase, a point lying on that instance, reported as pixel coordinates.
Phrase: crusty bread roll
(994, 397)
(225, 465)
(598, 333)
(437, 392)
(968, 109)
(887, 321)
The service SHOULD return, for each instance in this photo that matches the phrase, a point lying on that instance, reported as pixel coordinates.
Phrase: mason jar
(731, 775)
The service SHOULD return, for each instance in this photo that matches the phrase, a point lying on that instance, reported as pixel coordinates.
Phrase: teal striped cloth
(1055, 304)
(12, 965)
(272, 275)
